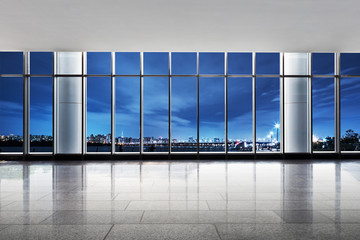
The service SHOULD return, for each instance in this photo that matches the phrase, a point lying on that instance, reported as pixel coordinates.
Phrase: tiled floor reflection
(180, 200)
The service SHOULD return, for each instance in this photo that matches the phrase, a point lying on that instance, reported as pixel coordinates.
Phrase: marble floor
(180, 200)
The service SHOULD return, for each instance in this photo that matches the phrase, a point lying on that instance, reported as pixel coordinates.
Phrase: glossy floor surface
(180, 200)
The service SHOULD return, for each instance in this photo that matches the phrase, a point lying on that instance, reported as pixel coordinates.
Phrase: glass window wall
(185, 110)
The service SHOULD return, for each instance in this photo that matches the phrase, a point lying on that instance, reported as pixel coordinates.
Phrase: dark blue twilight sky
(183, 95)
(11, 93)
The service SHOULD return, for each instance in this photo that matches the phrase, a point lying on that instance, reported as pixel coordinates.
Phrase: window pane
(323, 101)
(323, 63)
(240, 120)
(211, 63)
(41, 108)
(267, 114)
(156, 63)
(184, 114)
(268, 63)
(11, 63)
(350, 114)
(69, 63)
(212, 114)
(127, 118)
(183, 63)
(98, 114)
(240, 63)
(156, 114)
(99, 63)
(11, 114)
(350, 64)
(127, 63)
(41, 63)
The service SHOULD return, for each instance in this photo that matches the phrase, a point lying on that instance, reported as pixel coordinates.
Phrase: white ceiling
(181, 25)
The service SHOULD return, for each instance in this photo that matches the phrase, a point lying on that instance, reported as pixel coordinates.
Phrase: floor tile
(56, 232)
(268, 205)
(164, 217)
(307, 205)
(2, 227)
(329, 231)
(252, 231)
(23, 217)
(349, 205)
(303, 216)
(67, 205)
(278, 231)
(28, 196)
(239, 217)
(4, 203)
(93, 217)
(168, 205)
(83, 196)
(343, 216)
(163, 231)
(232, 205)
(3, 194)
(350, 231)
(210, 217)
(169, 196)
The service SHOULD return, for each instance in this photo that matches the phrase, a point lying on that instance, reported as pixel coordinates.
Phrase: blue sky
(323, 107)
(240, 108)
(156, 107)
(350, 109)
(127, 106)
(11, 102)
(98, 105)
(183, 95)
(41, 105)
(183, 108)
(212, 110)
(267, 106)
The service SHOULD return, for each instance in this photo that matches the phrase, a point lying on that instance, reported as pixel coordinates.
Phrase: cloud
(240, 127)
(183, 104)
(10, 108)
(41, 111)
(178, 121)
(276, 99)
(349, 70)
